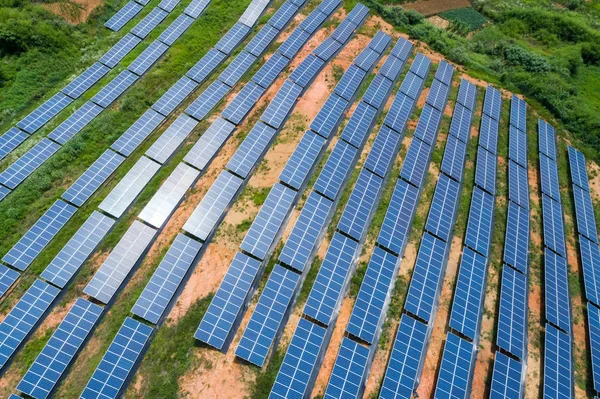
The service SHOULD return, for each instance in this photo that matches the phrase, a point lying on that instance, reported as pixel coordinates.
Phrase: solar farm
(317, 206)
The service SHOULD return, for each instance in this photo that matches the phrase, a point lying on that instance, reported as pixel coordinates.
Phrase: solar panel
(480, 227)
(344, 31)
(460, 127)
(590, 260)
(327, 290)
(558, 306)
(217, 199)
(149, 22)
(558, 364)
(126, 254)
(165, 281)
(467, 94)
(444, 73)
(549, 174)
(577, 165)
(23, 317)
(453, 162)
(547, 139)
(228, 302)
(349, 373)
(268, 316)
(406, 359)
(380, 42)
(512, 319)
(416, 163)
(586, 222)
(307, 232)
(233, 38)
(400, 112)
(485, 170)
(428, 125)
(282, 104)
(124, 15)
(517, 146)
(171, 139)
(117, 52)
(175, 96)
(148, 57)
(361, 205)
(4, 192)
(209, 143)
(39, 235)
(8, 277)
(444, 208)
(283, 15)
(516, 243)
(253, 12)
(336, 170)
(292, 45)
(392, 68)
(57, 355)
(169, 195)
(118, 361)
(11, 140)
(207, 65)
(313, 21)
(75, 122)
(298, 370)
(518, 185)
(420, 66)
(518, 113)
(113, 90)
(492, 105)
(398, 218)
(328, 49)
(438, 95)
(488, 134)
(42, 114)
(127, 190)
(238, 67)
(176, 29)
(367, 59)
(507, 379)
(427, 278)
(85, 80)
(383, 152)
(374, 294)
(350, 82)
(458, 363)
(378, 91)
(77, 250)
(196, 7)
(304, 158)
(402, 49)
(168, 5)
(249, 153)
(467, 305)
(412, 85)
(263, 39)
(208, 100)
(19, 170)
(264, 230)
(554, 232)
(594, 331)
(138, 132)
(243, 102)
(307, 71)
(360, 125)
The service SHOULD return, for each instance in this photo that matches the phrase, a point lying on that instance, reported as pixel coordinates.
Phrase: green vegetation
(464, 20)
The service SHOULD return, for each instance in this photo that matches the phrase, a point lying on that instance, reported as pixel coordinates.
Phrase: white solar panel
(171, 139)
(253, 12)
(209, 143)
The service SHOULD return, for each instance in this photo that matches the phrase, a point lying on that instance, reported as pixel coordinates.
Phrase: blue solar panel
(374, 294)
(554, 232)
(85, 80)
(298, 168)
(138, 132)
(518, 185)
(400, 112)
(117, 52)
(196, 8)
(350, 82)
(584, 209)
(307, 232)
(238, 67)
(444, 73)
(458, 363)
(492, 105)
(208, 100)
(313, 21)
(207, 65)
(360, 125)
(292, 45)
(358, 13)
(118, 361)
(113, 90)
(438, 96)
(416, 163)
(23, 317)
(328, 288)
(480, 226)
(168, 5)
(328, 49)
(406, 360)
(383, 152)
(488, 134)
(160, 290)
(174, 96)
(209, 144)
(282, 105)
(11, 140)
(150, 21)
(516, 243)
(558, 306)
(412, 85)
(420, 66)
(124, 15)
(367, 59)
(444, 208)
(42, 114)
(392, 67)
(336, 170)
(577, 165)
(243, 102)
(512, 319)
(268, 316)
(349, 373)
(45, 373)
(307, 71)
(398, 218)
(298, 370)
(210, 210)
(7, 278)
(462, 119)
(428, 125)
(594, 330)
(558, 365)
(176, 29)
(427, 278)
(507, 380)
(485, 170)
(77, 250)
(378, 91)
(344, 31)
(4, 192)
(590, 261)
(19, 170)
(75, 122)
(39, 235)
(283, 15)
(518, 114)
(228, 302)
(361, 205)
(467, 94)
(467, 305)
(249, 153)
(233, 38)
(549, 174)
(517, 146)
(547, 139)
(263, 39)
(453, 162)
(170, 140)
(402, 49)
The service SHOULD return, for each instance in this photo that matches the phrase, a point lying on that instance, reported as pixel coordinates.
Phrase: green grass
(468, 17)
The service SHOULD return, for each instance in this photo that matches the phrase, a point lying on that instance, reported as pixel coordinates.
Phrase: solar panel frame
(115, 88)
(455, 156)
(123, 16)
(456, 369)
(402, 49)
(233, 38)
(75, 122)
(518, 185)
(238, 67)
(250, 152)
(558, 364)
(361, 205)
(303, 160)
(444, 73)
(307, 71)
(549, 177)
(292, 45)
(554, 231)
(398, 218)
(360, 125)
(547, 139)
(328, 49)
(488, 134)
(444, 208)
(283, 103)
(207, 65)
(594, 335)
(168, 5)
(8, 277)
(512, 316)
(420, 66)
(344, 31)
(584, 211)
(412, 85)
(243, 102)
(516, 243)
(518, 114)
(349, 371)
(480, 225)
(392, 68)
(590, 261)
(556, 291)
(262, 40)
(149, 22)
(416, 163)
(577, 165)
(117, 52)
(378, 91)
(507, 378)
(196, 7)
(44, 113)
(148, 57)
(486, 170)
(209, 144)
(336, 170)
(10, 140)
(367, 59)
(28, 163)
(85, 80)
(383, 152)
(176, 29)
(380, 42)
(438, 95)
(284, 14)
(400, 112)
(254, 11)
(350, 82)
(467, 95)
(4, 191)
(173, 97)
(462, 119)
(428, 125)
(171, 139)
(138, 132)
(313, 21)
(517, 146)
(208, 100)
(492, 104)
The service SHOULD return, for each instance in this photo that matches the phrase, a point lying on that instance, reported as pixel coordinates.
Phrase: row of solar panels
(133, 7)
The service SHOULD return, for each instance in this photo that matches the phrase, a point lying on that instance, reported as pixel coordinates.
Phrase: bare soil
(431, 7)
(73, 11)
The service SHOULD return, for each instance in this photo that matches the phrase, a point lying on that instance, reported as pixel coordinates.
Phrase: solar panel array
(124, 15)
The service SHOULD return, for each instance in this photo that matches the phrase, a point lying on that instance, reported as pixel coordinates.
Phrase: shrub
(590, 53)
(518, 56)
